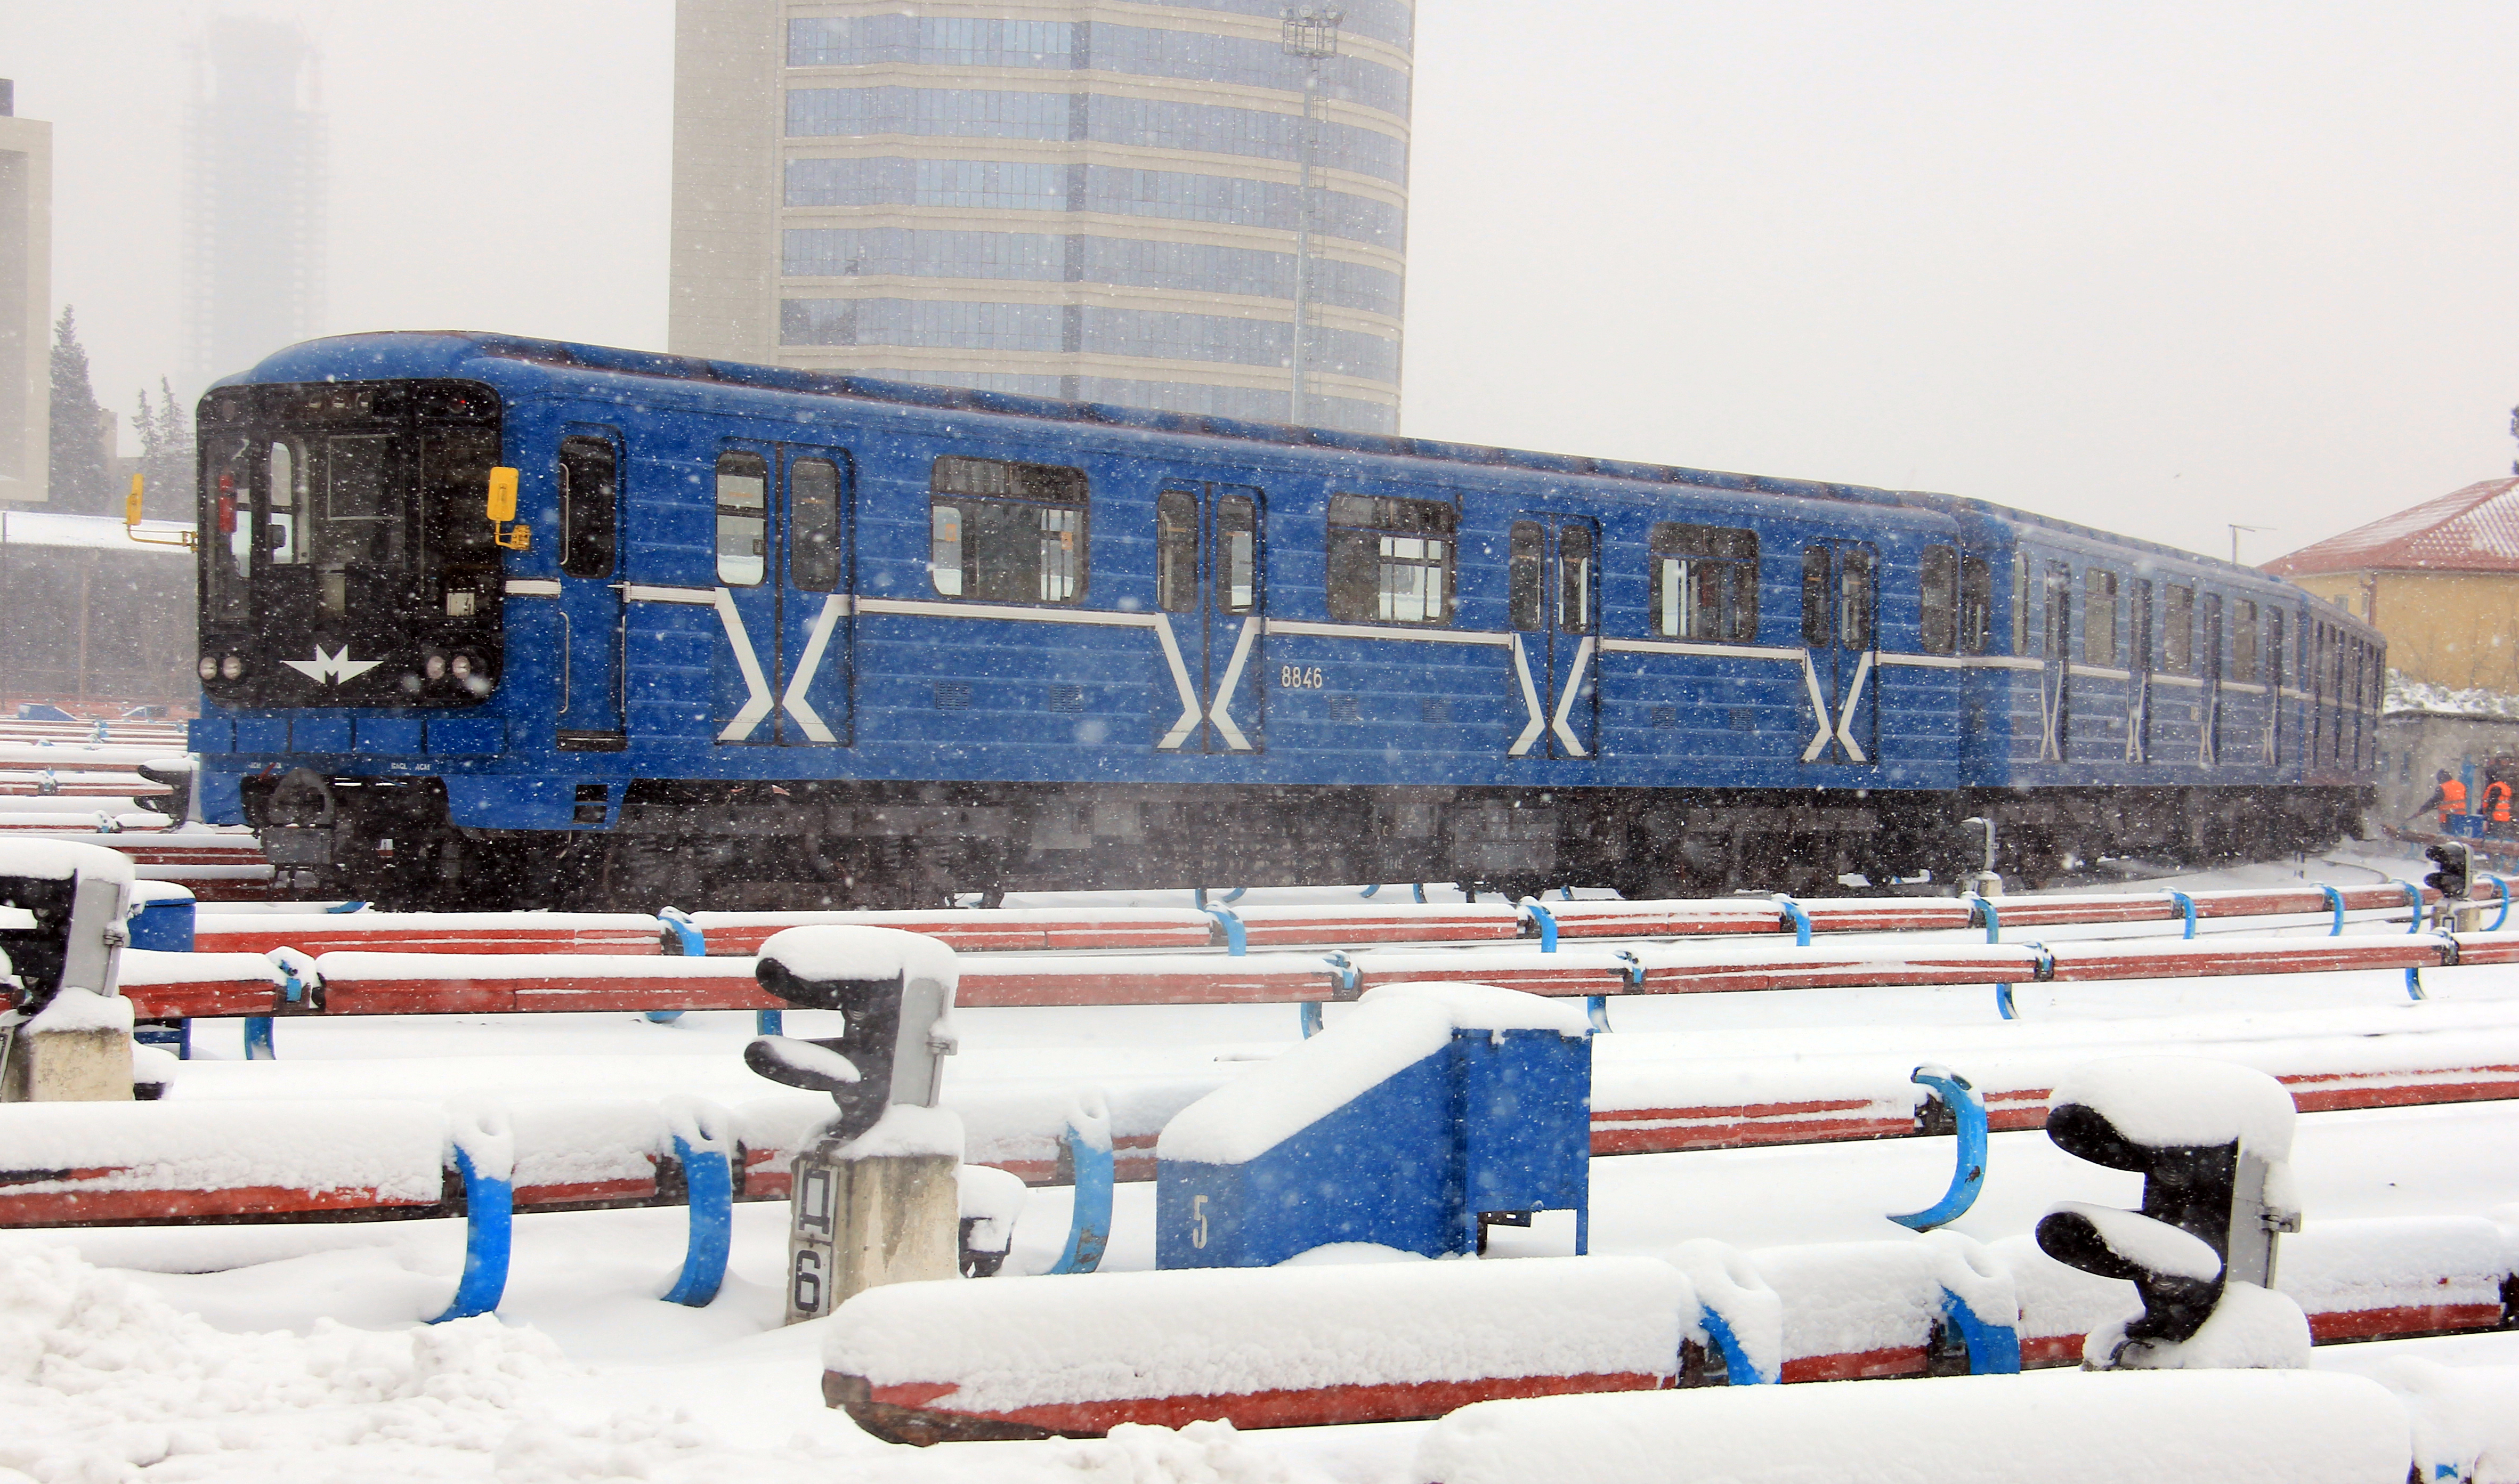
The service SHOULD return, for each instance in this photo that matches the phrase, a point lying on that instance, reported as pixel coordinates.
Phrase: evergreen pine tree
(165, 455)
(82, 483)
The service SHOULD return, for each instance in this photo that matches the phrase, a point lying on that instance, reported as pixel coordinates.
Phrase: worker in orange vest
(2449, 796)
(2496, 802)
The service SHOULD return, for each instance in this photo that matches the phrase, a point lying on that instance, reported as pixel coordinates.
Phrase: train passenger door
(2055, 679)
(593, 625)
(1211, 590)
(2139, 684)
(1842, 650)
(816, 626)
(2208, 739)
(1554, 601)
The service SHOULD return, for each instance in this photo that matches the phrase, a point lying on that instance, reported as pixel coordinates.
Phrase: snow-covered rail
(1037, 929)
(471, 983)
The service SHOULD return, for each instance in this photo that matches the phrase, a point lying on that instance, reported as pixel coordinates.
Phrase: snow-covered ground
(295, 1352)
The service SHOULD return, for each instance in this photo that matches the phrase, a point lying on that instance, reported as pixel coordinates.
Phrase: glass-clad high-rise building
(1099, 200)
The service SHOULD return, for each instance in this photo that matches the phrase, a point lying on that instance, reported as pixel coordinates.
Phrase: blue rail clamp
(2185, 904)
(1087, 1145)
(485, 1154)
(2335, 900)
(704, 1146)
(691, 943)
(2414, 896)
(1540, 917)
(1966, 1108)
(1236, 945)
(1800, 919)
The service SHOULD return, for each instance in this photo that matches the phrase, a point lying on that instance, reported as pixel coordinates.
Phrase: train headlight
(231, 668)
(434, 667)
(209, 667)
(462, 667)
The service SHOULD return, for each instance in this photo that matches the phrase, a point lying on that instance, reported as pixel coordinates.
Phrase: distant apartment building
(256, 182)
(1099, 201)
(26, 302)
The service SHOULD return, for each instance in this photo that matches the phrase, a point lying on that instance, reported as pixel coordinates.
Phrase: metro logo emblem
(325, 668)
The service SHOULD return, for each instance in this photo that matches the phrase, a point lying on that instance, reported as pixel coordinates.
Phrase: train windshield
(347, 559)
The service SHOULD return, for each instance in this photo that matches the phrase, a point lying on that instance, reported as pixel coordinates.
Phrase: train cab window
(1176, 551)
(1237, 554)
(2177, 630)
(742, 518)
(2243, 641)
(1977, 604)
(1007, 531)
(1526, 561)
(2098, 617)
(1705, 583)
(1938, 576)
(284, 469)
(588, 495)
(813, 525)
(1390, 559)
(227, 554)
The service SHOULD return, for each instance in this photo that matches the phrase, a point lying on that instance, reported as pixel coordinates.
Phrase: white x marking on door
(1531, 703)
(757, 703)
(1191, 710)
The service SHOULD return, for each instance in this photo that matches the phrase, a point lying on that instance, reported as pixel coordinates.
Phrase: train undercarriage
(845, 844)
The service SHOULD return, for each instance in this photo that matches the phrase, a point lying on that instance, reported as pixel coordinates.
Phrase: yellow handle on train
(501, 512)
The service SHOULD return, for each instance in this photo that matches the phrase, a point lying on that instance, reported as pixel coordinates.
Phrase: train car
(491, 620)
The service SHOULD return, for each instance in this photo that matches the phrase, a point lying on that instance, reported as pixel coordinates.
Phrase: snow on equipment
(2299, 1427)
(1295, 1346)
(65, 1036)
(873, 1197)
(2211, 1141)
(1429, 1114)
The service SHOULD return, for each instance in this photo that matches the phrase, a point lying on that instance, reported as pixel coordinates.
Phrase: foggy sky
(2155, 266)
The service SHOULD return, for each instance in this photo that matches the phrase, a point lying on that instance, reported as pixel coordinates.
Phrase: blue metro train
(490, 619)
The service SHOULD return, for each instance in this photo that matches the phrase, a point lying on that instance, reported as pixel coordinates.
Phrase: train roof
(297, 362)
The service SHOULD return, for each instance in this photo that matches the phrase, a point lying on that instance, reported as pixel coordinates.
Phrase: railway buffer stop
(1419, 1120)
(874, 1198)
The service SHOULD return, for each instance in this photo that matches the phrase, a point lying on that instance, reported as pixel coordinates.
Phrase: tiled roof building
(2441, 580)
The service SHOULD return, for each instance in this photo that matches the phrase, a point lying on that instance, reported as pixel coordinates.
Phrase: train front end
(351, 606)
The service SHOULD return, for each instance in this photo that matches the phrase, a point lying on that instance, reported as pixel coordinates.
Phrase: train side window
(1007, 531)
(2177, 630)
(1237, 554)
(2243, 641)
(1176, 551)
(589, 495)
(1390, 559)
(742, 518)
(1938, 576)
(813, 525)
(1705, 583)
(1977, 604)
(1526, 546)
(2098, 617)
(1576, 571)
